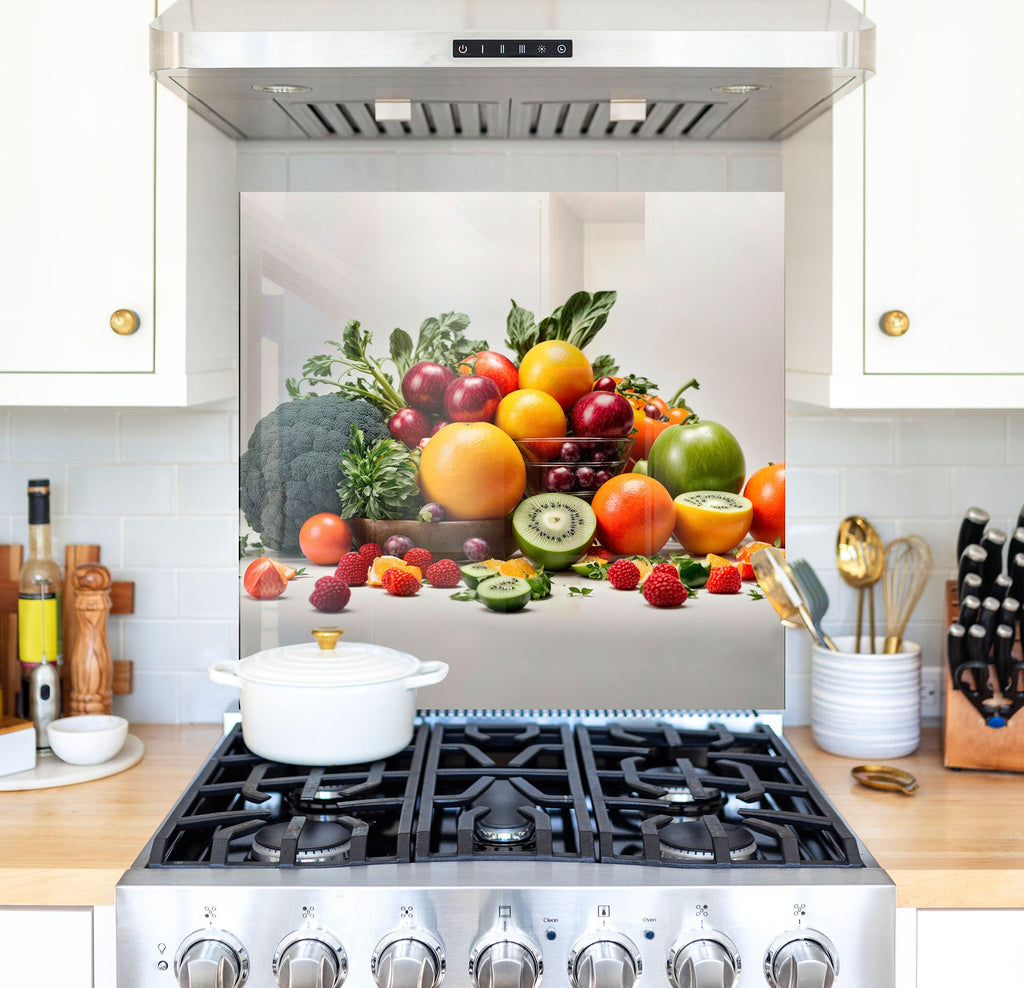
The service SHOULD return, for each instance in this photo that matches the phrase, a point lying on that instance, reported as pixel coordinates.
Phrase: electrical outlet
(931, 689)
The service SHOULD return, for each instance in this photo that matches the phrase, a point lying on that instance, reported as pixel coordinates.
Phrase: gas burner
(319, 843)
(502, 824)
(691, 841)
(327, 803)
(681, 800)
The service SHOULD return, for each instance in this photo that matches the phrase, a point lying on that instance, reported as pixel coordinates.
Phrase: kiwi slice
(554, 530)
(474, 573)
(504, 593)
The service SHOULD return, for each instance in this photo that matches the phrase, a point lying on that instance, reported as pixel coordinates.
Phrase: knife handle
(977, 659)
(1010, 611)
(1016, 572)
(1004, 645)
(1000, 587)
(969, 608)
(988, 618)
(956, 650)
(972, 560)
(1020, 517)
(971, 587)
(992, 542)
(1016, 545)
(973, 524)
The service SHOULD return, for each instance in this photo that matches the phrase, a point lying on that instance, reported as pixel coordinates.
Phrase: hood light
(742, 90)
(282, 90)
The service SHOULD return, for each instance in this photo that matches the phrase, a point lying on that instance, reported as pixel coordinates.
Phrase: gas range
(498, 848)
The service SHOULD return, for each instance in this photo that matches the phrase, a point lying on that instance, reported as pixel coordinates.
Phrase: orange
(517, 567)
(473, 470)
(529, 414)
(324, 538)
(743, 554)
(635, 514)
(716, 560)
(382, 564)
(711, 521)
(559, 368)
(766, 490)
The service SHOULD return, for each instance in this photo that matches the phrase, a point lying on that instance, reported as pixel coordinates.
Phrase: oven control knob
(801, 959)
(608, 960)
(211, 959)
(310, 959)
(409, 959)
(506, 963)
(707, 960)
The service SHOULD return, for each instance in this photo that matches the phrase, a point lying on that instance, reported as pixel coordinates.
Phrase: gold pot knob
(327, 638)
(895, 323)
(124, 322)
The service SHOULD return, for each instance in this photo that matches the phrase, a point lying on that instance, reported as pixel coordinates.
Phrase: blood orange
(324, 538)
(635, 514)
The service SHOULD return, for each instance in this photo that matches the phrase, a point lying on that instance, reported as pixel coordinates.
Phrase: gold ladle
(860, 558)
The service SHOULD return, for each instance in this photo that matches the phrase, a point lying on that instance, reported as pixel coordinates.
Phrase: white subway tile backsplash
(815, 440)
(203, 701)
(211, 490)
(179, 542)
(156, 591)
(895, 492)
(1015, 439)
(178, 437)
(938, 440)
(121, 490)
(76, 437)
(14, 478)
(209, 593)
(812, 492)
(999, 490)
(155, 698)
(84, 530)
(157, 645)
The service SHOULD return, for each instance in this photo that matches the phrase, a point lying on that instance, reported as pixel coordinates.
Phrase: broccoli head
(290, 470)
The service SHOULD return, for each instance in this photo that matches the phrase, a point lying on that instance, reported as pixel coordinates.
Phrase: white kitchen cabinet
(47, 947)
(113, 197)
(907, 197)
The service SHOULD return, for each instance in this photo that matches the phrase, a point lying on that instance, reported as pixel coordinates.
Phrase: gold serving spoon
(860, 559)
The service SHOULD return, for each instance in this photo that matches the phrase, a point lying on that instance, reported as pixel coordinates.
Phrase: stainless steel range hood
(495, 69)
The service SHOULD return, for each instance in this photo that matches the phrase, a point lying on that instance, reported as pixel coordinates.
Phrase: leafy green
(245, 546)
(592, 571)
(540, 585)
(755, 594)
(580, 591)
(463, 595)
(377, 481)
(692, 573)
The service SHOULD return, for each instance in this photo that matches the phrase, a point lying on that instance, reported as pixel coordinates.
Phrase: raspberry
(724, 579)
(420, 558)
(444, 573)
(330, 594)
(663, 589)
(389, 575)
(370, 551)
(402, 583)
(624, 575)
(352, 568)
(666, 568)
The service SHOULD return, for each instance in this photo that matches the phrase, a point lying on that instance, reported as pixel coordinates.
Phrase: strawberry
(389, 575)
(624, 575)
(724, 579)
(421, 558)
(444, 573)
(330, 594)
(370, 551)
(663, 589)
(352, 568)
(402, 583)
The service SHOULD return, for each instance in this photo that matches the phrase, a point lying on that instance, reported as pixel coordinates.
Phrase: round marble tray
(50, 771)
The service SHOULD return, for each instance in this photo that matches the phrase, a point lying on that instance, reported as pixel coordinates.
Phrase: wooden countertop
(69, 846)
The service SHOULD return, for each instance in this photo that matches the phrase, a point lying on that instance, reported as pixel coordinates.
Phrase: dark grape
(397, 545)
(601, 477)
(559, 479)
(604, 384)
(585, 478)
(569, 453)
(476, 549)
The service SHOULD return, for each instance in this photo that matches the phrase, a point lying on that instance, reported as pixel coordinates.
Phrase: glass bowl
(571, 464)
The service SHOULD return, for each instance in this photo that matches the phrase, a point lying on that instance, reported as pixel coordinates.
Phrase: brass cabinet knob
(124, 322)
(895, 323)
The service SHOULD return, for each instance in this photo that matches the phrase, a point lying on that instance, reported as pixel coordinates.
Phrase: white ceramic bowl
(88, 739)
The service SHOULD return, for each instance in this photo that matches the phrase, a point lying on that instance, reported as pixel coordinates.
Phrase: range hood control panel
(516, 48)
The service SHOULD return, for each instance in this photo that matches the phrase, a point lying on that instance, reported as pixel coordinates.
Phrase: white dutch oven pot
(325, 702)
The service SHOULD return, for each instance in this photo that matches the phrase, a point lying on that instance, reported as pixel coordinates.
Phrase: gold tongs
(885, 777)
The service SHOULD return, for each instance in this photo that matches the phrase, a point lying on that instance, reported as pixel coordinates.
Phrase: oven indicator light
(551, 934)
(649, 934)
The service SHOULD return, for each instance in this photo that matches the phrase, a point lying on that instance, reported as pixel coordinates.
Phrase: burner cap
(318, 842)
(691, 841)
(502, 824)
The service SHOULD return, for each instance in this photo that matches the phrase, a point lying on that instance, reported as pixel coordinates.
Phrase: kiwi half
(474, 573)
(504, 593)
(554, 530)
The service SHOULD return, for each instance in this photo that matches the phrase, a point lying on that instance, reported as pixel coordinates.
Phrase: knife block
(967, 741)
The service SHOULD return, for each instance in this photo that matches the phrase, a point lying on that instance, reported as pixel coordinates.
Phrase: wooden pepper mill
(92, 670)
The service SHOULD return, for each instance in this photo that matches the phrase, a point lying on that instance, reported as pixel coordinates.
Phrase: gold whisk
(908, 563)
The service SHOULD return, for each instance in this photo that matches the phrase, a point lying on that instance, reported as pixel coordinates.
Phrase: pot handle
(224, 672)
(429, 674)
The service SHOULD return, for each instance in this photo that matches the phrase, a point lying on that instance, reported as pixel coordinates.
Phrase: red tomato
(325, 538)
(646, 431)
(497, 367)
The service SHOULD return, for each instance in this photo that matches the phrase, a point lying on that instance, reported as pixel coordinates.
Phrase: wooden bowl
(443, 538)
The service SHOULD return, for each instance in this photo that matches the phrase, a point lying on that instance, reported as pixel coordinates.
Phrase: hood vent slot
(441, 119)
(572, 120)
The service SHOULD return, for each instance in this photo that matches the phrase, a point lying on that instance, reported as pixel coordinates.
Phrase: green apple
(697, 456)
